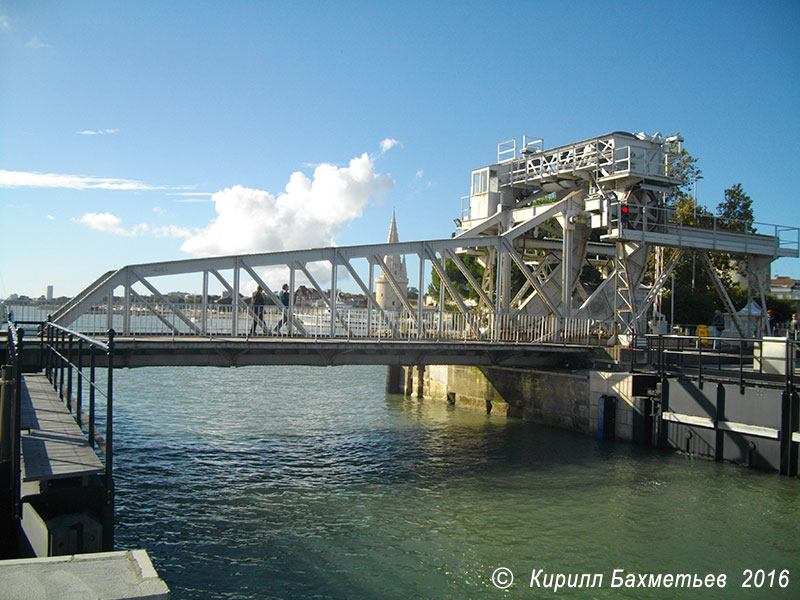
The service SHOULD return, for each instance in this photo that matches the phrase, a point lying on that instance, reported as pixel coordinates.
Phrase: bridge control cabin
(601, 202)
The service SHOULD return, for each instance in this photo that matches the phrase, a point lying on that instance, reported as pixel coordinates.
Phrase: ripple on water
(312, 483)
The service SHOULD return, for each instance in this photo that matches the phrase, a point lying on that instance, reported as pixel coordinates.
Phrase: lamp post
(694, 254)
(672, 306)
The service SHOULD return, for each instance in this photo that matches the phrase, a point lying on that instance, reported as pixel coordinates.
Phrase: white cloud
(103, 222)
(35, 42)
(76, 182)
(310, 213)
(420, 173)
(97, 131)
(388, 144)
(51, 218)
(5, 23)
(193, 196)
(113, 224)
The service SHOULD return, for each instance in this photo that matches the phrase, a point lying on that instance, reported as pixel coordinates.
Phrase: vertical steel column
(420, 324)
(235, 299)
(110, 314)
(126, 311)
(290, 323)
(371, 295)
(334, 296)
(498, 292)
(441, 308)
(204, 316)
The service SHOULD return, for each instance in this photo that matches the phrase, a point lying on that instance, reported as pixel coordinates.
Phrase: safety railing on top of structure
(643, 219)
(748, 361)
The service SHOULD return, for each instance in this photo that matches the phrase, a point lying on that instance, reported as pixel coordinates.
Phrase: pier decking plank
(53, 446)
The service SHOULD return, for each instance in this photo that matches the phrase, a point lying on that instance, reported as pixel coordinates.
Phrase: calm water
(302, 482)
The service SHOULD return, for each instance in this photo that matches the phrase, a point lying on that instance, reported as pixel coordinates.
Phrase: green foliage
(460, 282)
(736, 211)
(682, 166)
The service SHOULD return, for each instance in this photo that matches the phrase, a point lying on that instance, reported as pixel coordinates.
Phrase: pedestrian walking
(258, 300)
(285, 301)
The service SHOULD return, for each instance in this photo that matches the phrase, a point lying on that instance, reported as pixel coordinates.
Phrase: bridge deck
(53, 446)
(227, 352)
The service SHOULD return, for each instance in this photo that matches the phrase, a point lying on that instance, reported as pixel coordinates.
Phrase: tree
(736, 211)
(460, 282)
(683, 167)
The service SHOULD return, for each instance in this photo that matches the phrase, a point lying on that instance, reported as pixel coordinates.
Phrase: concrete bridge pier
(394, 379)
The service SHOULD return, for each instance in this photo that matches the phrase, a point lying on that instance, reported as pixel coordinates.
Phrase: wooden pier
(53, 445)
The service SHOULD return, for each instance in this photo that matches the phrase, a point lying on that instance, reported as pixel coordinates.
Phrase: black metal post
(700, 363)
(41, 344)
(91, 394)
(719, 441)
(16, 454)
(69, 374)
(79, 397)
(789, 416)
(60, 358)
(49, 358)
(108, 525)
(741, 366)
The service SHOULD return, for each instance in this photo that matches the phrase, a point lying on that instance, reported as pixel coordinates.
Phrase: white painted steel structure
(547, 204)
(122, 298)
(601, 201)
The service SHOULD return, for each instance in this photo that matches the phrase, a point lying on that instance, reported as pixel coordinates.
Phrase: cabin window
(480, 182)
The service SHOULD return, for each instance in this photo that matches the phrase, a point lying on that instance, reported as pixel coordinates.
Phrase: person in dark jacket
(258, 300)
(285, 301)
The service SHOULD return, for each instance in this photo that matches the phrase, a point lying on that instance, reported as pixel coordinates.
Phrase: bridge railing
(216, 320)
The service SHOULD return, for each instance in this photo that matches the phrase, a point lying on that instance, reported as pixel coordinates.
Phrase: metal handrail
(659, 349)
(58, 345)
(667, 219)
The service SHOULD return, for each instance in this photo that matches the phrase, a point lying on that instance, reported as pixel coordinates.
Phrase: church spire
(393, 237)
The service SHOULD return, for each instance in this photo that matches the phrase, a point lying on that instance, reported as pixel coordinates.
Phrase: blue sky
(310, 123)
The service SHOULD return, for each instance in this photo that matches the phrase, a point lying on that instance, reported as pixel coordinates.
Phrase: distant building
(385, 295)
(49, 294)
(785, 288)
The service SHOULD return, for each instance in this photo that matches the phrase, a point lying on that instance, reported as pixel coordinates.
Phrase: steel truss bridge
(541, 215)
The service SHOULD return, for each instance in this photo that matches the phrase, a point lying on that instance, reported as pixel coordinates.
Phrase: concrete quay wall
(566, 399)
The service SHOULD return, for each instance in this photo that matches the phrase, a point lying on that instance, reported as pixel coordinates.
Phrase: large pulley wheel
(642, 210)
